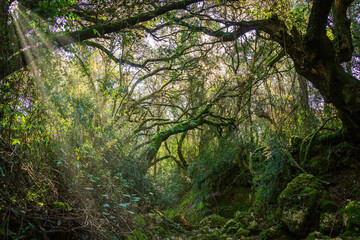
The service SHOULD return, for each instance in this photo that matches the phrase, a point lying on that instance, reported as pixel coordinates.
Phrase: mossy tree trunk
(201, 118)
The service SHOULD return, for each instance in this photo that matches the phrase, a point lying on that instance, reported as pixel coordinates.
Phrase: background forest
(179, 119)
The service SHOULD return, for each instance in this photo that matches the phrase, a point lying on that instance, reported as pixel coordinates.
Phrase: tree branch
(19, 60)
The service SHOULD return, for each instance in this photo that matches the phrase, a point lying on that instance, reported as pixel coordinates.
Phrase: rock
(213, 221)
(275, 232)
(316, 236)
(242, 232)
(231, 227)
(244, 217)
(230, 223)
(351, 217)
(298, 203)
(253, 226)
(330, 223)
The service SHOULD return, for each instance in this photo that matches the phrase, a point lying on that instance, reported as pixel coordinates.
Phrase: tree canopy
(318, 36)
(122, 100)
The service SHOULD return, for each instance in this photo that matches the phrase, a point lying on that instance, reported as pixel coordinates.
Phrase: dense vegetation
(183, 119)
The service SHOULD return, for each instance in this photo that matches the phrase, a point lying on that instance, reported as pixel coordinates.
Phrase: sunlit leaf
(16, 141)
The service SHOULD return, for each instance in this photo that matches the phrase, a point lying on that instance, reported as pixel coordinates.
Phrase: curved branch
(18, 60)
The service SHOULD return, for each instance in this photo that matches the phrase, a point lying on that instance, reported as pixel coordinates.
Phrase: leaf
(96, 32)
(89, 188)
(106, 205)
(135, 199)
(16, 141)
(123, 204)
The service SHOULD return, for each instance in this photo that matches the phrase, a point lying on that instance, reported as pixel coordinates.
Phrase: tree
(318, 46)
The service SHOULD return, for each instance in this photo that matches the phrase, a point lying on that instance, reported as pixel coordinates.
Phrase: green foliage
(73, 124)
(271, 171)
(213, 221)
(352, 219)
(218, 168)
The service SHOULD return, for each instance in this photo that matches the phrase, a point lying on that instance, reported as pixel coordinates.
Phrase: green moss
(253, 226)
(212, 236)
(140, 221)
(213, 221)
(303, 187)
(230, 227)
(139, 235)
(229, 211)
(161, 231)
(275, 232)
(327, 204)
(295, 141)
(62, 205)
(298, 203)
(351, 218)
(331, 223)
(316, 236)
(242, 232)
(244, 219)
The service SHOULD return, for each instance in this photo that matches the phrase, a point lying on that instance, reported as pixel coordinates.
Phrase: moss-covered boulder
(242, 232)
(278, 232)
(213, 221)
(231, 227)
(351, 217)
(330, 222)
(316, 236)
(244, 218)
(298, 203)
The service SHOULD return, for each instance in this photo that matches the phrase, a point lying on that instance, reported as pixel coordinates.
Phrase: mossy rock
(213, 221)
(242, 232)
(316, 236)
(330, 223)
(253, 226)
(298, 203)
(351, 217)
(244, 217)
(231, 227)
(242, 200)
(278, 232)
